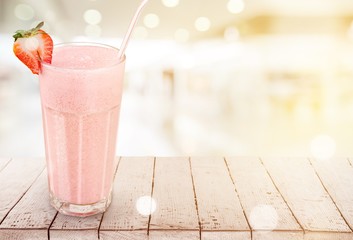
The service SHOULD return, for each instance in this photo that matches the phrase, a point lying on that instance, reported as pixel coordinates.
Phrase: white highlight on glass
(231, 34)
(24, 12)
(170, 3)
(235, 6)
(182, 35)
(202, 24)
(92, 16)
(151, 20)
(146, 205)
(264, 217)
(93, 31)
(323, 147)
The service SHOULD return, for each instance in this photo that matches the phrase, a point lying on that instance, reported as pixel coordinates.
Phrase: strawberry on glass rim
(33, 47)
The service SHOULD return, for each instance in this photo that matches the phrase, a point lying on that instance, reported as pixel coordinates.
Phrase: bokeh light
(92, 16)
(264, 217)
(235, 6)
(202, 24)
(151, 20)
(146, 205)
(260, 78)
(170, 3)
(24, 12)
(323, 147)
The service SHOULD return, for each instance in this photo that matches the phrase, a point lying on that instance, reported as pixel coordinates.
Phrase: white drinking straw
(131, 27)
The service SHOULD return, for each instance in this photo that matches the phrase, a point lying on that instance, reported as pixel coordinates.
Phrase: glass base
(80, 210)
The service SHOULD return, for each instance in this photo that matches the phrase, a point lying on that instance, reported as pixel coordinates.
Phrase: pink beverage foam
(81, 94)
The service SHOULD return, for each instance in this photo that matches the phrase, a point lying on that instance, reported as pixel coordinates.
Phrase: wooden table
(191, 198)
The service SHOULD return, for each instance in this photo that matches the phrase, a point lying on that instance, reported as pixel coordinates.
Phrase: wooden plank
(219, 207)
(33, 211)
(277, 235)
(224, 235)
(268, 214)
(174, 196)
(133, 183)
(305, 195)
(74, 235)
(15, 179)
(174, 234)
(328, 236)
(70, 228)
(123, 235)
(4, 162)
(336, 174)
(23, 234)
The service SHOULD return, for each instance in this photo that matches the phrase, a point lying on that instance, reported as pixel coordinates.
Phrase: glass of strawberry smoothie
(81, 94)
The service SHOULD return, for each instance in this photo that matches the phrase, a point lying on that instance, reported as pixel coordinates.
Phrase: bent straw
(131, 27)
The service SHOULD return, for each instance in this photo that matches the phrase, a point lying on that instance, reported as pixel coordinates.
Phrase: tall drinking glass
(80, 96)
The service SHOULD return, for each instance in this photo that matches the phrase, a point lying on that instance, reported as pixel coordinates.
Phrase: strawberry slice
(32, 47)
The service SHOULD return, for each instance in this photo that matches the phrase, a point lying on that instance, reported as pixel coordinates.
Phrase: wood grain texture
(337, 176)
(74, 235)
(64, 222)
(350, 160)
(15, 179)
(319, 194)
(327, 236)
(123, 235)
(133, 180)
(69, 227)
(264, 206)
(174, 196)
(33, 211)
(218, 205)
(24, 234)
(305, 195)
(277, 235)
(225, 235)
(174, 235)
(4, 162)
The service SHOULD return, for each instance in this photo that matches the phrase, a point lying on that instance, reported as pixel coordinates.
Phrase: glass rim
(50, 66)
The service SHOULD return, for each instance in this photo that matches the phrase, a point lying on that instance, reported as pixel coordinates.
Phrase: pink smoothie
(81, 94)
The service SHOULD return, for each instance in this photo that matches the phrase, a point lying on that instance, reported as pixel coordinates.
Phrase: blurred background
(203, 77)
